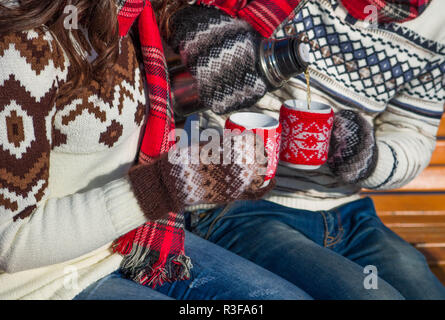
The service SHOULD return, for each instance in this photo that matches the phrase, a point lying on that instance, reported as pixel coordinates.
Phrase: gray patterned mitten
(353, 150)
(221, 53)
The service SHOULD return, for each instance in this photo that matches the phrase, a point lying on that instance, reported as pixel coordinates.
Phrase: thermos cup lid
(281, 59)
(303, 50)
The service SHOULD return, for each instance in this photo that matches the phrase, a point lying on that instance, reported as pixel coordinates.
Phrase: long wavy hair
(98, 17)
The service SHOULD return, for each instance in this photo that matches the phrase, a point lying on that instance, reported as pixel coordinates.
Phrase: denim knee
(400, 253)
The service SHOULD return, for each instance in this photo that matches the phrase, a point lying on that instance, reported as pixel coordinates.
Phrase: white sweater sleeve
(37, 229)
(406, 131)
(61, 229)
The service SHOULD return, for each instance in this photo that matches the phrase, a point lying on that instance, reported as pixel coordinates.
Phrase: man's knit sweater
(393, 74)
(63, 193)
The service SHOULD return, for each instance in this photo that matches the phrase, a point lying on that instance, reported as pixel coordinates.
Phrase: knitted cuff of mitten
(221, 52)
(153, 191)
(260, 192)
(353, 152)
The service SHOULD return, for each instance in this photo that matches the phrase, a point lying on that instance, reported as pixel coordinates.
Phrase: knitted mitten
(353, 150)
(221, 53)
(175, 180)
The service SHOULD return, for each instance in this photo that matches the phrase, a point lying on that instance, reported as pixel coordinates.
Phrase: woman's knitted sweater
(393, 74)
(63, 194)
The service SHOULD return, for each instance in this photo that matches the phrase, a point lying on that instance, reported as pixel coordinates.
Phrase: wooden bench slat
(409, 202)
(417, 220)
(439, 271)
(435, 255)
(416, 235)
(441, 132)
(438, 157)
(383, 214)
(431, 179)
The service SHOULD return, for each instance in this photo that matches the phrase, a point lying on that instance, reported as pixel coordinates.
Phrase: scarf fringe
(176, 268)
(124, 244)
(144, 266)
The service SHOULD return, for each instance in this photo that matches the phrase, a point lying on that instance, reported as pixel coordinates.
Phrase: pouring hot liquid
(308, 89)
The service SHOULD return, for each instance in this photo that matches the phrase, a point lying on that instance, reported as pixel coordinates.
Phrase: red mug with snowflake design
(306, 134)
(268, 128)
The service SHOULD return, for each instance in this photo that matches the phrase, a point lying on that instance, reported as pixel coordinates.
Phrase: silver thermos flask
(278, 61)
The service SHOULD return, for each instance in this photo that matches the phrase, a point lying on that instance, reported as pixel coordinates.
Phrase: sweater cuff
(384, 170)
(122, 206)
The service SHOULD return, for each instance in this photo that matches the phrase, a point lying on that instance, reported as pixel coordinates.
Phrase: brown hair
(98, 17)
(165, 9)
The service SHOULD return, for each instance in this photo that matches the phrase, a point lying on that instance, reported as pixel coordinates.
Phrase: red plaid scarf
(267, 15)
(154, 252)
(264, 15)
(387, 10)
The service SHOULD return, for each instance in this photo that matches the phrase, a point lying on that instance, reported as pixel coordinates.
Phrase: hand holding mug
(183, 181)
(353, 150)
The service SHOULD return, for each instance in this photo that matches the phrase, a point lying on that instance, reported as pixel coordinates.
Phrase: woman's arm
(406, 131)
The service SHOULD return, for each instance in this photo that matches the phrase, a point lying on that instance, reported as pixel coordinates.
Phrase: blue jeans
(325, 252)
(217, 274)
